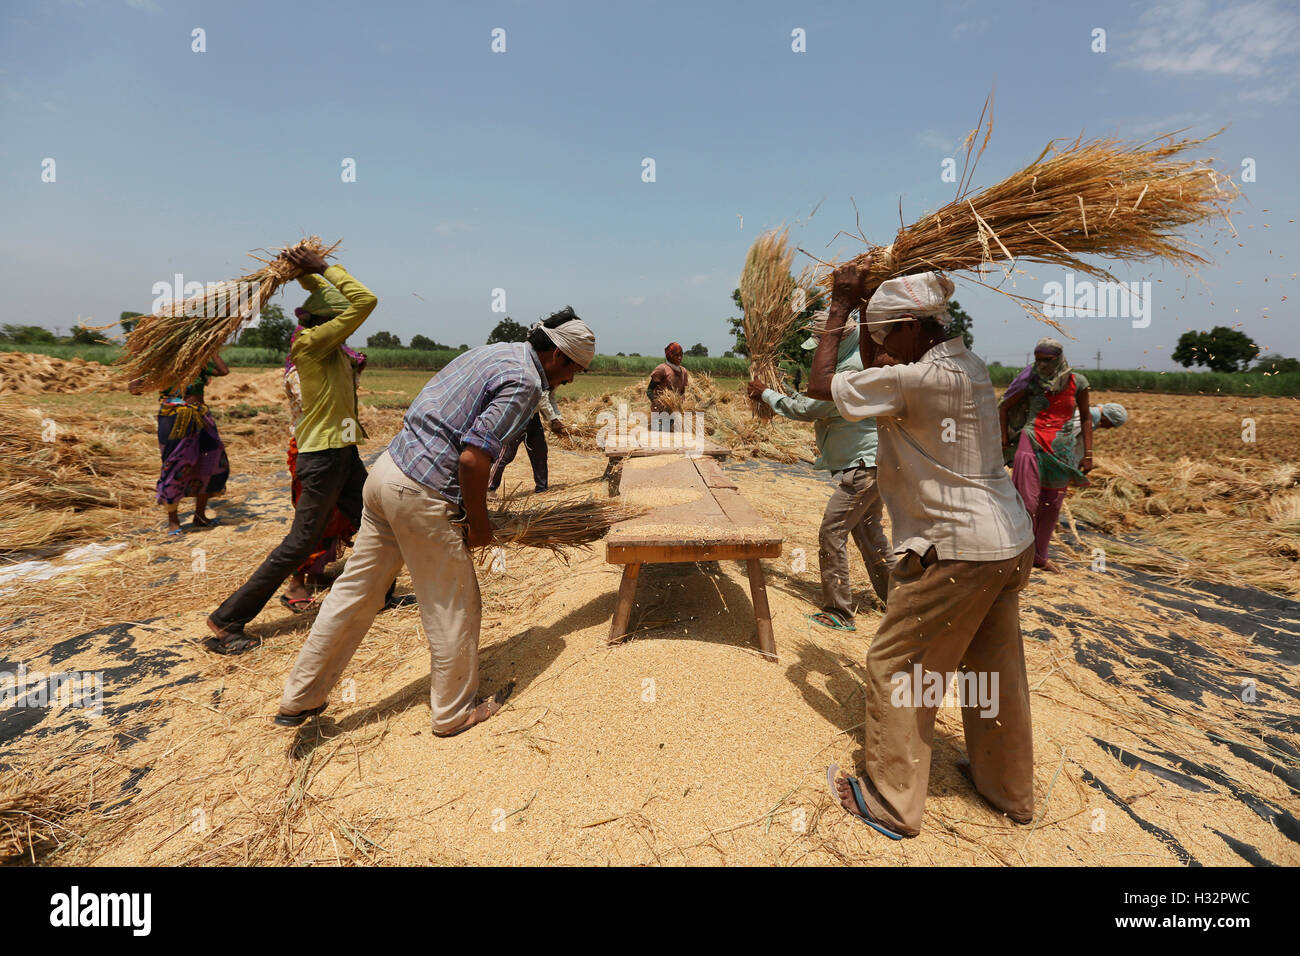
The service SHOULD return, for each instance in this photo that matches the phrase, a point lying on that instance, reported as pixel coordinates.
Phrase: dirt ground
(681, 745)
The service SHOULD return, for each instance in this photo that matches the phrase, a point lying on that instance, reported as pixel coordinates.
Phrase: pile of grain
(26, 373)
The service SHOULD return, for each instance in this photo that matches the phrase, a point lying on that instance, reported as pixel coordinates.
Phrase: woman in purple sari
(194, 463)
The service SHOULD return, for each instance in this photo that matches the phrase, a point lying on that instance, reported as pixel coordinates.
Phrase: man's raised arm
(848, 289)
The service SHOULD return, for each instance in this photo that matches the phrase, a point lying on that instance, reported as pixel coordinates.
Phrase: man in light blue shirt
(848, 451)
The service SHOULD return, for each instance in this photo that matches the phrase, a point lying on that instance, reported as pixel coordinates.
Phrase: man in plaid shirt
(426, 507)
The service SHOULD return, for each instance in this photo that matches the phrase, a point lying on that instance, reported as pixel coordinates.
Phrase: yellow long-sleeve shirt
(329, 393)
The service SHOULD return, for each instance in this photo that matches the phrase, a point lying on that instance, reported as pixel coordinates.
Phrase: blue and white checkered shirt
(484, 397)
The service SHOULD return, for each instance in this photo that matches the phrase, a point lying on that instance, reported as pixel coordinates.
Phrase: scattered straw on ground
(681, 745)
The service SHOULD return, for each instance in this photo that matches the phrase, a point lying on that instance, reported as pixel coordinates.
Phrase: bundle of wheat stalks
(64, 477)
(557, 524)
(772, 300)
(1101, 197)
(171, 347)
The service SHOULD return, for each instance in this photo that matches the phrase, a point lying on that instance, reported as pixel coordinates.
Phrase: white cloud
(1276, 93)
(933, 139)
(971, 26)
(635, 299)
(1168, 124)
(144, 5)
(1195, 36)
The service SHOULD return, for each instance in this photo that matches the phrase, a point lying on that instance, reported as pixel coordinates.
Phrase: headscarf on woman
(1056, 379)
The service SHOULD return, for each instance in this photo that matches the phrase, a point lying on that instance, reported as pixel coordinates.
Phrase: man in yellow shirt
(328, 432)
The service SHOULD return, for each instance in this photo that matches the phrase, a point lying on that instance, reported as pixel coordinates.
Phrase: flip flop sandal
(210, 522)
(863, 813)
(830, 621)
(232, 644)
(965, 768)
(499, 698)
(300, 718)
(293, 603)
(399, 600)
(175, 531)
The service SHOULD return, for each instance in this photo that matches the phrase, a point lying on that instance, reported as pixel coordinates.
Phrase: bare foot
(173, 521)
(297, 590)
(1051, 567)
(846, 795)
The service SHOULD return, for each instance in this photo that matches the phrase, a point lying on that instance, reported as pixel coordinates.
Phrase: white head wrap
(925, 294)
(574, 339)
(1115, 413)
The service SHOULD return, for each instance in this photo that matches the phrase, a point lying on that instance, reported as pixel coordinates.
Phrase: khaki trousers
(853, 510)
(403, 522)
(942, 615)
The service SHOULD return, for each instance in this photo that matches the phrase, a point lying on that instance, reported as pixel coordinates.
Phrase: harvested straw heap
(768, 294)
(32, 807)
(557, 524)
(26, 373)
(1232, 520)
(65, 477)
(1096, 198)
(171, 346)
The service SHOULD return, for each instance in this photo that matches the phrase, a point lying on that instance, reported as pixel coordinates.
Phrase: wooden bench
(616, 454)
(716, 525)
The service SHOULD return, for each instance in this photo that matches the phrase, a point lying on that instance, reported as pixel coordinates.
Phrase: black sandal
(300, 718)
(230, 642)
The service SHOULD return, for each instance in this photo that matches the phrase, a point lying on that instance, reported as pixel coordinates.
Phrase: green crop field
(735, 369)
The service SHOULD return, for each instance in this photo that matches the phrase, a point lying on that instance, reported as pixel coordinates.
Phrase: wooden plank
(739, 511)
(658, 552)
(707, 447)
(712, 474)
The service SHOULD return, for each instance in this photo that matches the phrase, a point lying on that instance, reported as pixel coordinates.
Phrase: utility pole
(1098, 360)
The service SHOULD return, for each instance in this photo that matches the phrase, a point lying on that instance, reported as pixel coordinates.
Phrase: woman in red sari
(1045, 463)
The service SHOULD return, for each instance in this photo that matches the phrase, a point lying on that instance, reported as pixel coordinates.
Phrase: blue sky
(522, 170)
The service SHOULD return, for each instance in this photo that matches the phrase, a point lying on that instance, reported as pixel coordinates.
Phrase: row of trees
(508, 330)
(38, 335)
(1221, 349)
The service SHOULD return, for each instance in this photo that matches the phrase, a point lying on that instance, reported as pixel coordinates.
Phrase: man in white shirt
(965, 549)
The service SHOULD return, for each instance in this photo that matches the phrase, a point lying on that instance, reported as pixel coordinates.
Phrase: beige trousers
(853, 510)
(403, 523)
(944, 615)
